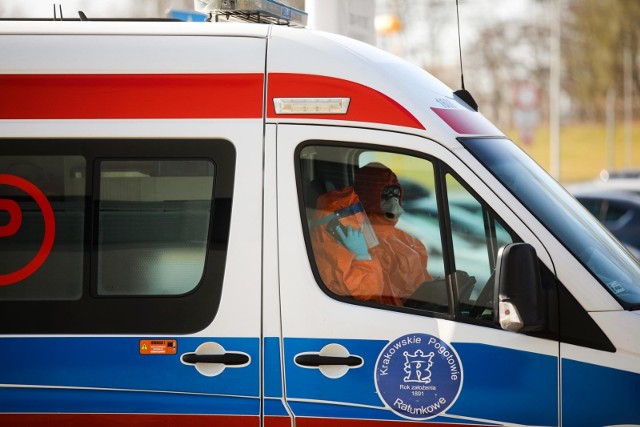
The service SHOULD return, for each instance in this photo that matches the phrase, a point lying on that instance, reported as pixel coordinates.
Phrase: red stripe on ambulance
(131, 96)
(367, 104)
(337, 422)
(138, 420)
(186, 96)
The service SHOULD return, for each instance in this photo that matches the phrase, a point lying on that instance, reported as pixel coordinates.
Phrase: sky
(438, 25)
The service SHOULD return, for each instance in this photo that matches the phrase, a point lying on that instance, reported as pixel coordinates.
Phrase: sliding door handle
(229, 359)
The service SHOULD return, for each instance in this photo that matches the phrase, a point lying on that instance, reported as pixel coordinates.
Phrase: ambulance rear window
(42, 226)
(153, 225)
(106, 230)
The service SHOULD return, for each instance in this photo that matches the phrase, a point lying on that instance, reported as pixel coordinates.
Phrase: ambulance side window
(42, 227)
(126, 235)
(399, 231)
(373, 227)
(153, 225)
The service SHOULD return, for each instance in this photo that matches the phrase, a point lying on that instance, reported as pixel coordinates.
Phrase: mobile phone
(333, 225)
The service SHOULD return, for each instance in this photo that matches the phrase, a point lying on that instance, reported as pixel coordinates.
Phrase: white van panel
(108, 128)
(271, 273)
(102, 54)
(233, 29)
(623, 329)
(410, 86)
(239, 313)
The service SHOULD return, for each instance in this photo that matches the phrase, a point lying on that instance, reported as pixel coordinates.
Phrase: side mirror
(519, 304)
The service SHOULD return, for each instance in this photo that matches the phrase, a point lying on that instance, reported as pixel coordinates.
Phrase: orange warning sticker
(158, 346)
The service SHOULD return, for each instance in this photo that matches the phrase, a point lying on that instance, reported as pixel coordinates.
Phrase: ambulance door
(397, 324)
(130, 293)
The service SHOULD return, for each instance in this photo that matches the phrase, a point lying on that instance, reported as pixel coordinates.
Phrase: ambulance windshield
(563, 216)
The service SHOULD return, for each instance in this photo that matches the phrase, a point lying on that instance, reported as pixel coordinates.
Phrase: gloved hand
(354, 241)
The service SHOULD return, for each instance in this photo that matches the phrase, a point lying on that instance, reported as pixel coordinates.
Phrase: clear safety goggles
(390, 192)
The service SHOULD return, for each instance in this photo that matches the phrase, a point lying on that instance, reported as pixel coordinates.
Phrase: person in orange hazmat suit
(368, 258)
(403, 258)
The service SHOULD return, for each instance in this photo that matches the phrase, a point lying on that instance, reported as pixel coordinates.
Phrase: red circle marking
(15, 217)
(49, 229)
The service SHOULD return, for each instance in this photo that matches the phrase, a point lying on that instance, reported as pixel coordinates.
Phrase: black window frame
(165, 314)
(490, 218)
(440, 170)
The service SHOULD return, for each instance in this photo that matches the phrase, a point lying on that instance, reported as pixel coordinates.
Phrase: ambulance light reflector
(311, 105)
(262, 11)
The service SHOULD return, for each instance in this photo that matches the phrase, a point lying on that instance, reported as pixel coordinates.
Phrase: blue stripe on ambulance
(490, 376)
(60, 400)
(275, 407)
(596, 395)
(310, 409)
(272, 367)
(487, 371)
(273, 402)
(89, 363)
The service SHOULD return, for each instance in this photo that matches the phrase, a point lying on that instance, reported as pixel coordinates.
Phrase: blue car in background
(618, 210)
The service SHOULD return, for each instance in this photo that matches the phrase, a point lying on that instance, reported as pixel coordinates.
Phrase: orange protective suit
(403, 258)
(340, 271)
(398, 264)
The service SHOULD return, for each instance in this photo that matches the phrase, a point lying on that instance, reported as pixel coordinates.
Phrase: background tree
(596, 34)
(504, 54)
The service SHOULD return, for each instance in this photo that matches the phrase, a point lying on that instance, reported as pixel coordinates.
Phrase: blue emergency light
(262, 11)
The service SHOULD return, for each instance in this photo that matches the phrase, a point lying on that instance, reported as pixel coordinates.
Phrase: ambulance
(162, 185)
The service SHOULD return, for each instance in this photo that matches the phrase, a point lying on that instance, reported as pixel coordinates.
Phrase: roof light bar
(262, 11)
(311, 105)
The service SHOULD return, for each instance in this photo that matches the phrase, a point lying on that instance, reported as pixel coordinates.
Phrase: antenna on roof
(463, 93)
(55, 16)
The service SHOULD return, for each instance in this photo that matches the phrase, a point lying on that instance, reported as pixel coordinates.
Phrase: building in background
(352, 18)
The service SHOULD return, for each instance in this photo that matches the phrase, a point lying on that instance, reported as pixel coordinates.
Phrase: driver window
(375, 231)
(373, 226)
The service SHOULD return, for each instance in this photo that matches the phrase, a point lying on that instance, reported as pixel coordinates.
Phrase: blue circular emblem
(418, 376)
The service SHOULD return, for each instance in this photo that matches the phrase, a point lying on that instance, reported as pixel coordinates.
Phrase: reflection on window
(23, 226)
(477, 236)
(153, 226)
(373, 226)
(614, 212)
(562, 215)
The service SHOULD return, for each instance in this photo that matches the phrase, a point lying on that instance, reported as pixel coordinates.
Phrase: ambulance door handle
(229, 359)
(317, 360)
(333, 361)
(211, 359)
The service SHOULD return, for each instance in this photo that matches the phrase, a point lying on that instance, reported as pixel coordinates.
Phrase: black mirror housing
(519, 305)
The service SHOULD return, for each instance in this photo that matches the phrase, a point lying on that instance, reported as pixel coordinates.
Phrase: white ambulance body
(158, 183)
